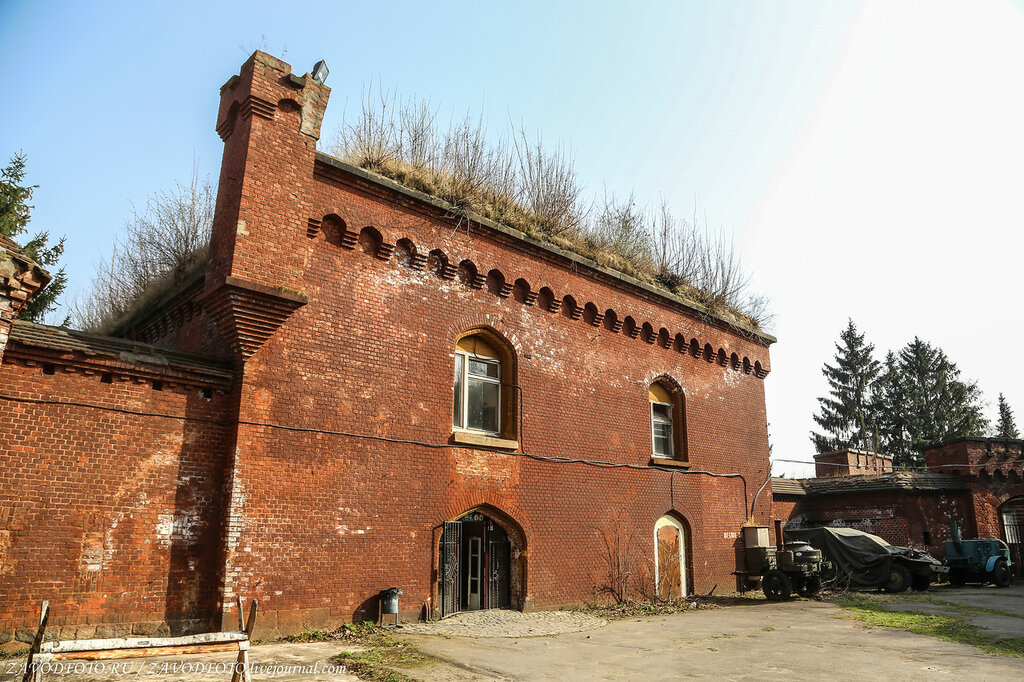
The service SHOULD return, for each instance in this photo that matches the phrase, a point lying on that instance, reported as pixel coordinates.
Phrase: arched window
(668, 437)
(484, 388)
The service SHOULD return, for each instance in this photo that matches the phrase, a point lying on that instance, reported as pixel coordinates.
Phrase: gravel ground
(502, 623)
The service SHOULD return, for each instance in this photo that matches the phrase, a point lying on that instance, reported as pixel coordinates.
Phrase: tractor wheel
(920, 583)
(776, 585)
(899, 578)
(810, 587)
(1001, 574)
(958, 577)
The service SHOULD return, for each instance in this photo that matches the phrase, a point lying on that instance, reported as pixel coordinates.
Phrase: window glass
(661, 429)
(481, 368)
(663, 439)
(477, 387)
(457, 412)
(482, 402)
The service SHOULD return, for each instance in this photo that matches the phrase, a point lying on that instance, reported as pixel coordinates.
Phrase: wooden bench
(43, 654)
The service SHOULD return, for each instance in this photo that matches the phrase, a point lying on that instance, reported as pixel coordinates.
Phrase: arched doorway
(481, 563)
(670, 557)
(1011, 515)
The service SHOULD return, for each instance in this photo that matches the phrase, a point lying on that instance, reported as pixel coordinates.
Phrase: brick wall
(369, 358)
(908, 518)
(342, 467)
(112, 516)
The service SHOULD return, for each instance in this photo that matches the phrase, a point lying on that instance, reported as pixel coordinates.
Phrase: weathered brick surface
(341, 468)
(900, 517)
(994, 470)
(369, 359)
(110, 515)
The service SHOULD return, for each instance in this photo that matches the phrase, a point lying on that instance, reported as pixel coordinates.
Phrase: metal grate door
(1013, 532)
(498, 573)
(448, 568)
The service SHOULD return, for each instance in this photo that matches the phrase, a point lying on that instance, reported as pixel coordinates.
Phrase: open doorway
(479, 564)
(1011, 513)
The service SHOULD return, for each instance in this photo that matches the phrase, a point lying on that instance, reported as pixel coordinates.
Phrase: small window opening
(48, 368)
(107, 378)
(205, 393)
(158, 385)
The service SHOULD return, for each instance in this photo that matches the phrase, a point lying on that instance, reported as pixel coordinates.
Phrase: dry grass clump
(533, 187)
(156, 249)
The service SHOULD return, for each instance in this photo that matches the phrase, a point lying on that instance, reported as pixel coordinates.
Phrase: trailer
(981, 560)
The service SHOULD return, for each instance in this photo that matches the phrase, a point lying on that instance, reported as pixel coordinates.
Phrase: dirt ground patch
(799, 639)
(505, 623)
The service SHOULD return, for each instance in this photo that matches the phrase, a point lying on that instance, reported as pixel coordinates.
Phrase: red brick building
(364, 388)
(977, 482)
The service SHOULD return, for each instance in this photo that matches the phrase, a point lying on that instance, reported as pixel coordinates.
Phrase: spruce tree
(1007, 427)
(922, 401)
(845, 415)
(15, 213)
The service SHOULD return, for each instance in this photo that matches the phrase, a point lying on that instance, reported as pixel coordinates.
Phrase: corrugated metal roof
(123, 350)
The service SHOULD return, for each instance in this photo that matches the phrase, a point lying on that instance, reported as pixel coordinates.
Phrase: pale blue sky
(775, 118)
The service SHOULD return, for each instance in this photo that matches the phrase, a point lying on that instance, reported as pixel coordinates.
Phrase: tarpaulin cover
(862, 556)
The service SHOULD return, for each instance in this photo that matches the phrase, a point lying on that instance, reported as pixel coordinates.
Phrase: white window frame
(672, 425)
(464, 357)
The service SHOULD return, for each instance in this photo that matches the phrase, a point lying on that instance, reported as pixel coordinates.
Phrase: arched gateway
(1011, 514)
(481, 563)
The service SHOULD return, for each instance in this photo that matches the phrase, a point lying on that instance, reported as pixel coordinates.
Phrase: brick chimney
(851, 463)
(269, 120)
(20, 280)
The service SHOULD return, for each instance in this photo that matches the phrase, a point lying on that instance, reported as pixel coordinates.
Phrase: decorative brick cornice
(248, 314)
(21, 279)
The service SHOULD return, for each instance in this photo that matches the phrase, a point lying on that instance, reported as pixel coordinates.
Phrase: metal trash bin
(389, 600)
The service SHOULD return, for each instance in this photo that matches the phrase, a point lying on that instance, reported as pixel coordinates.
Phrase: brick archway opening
(481, 563)
(1011, 520)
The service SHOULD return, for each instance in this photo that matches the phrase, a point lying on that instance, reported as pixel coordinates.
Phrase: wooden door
(670, 575)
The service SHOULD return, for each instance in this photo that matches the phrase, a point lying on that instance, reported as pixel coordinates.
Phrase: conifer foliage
(922, 400)
(914, 398)
(15, 213)
(846, 415)
(1007, 427)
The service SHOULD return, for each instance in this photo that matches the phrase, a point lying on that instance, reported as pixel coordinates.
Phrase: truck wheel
(899, 578)
(1001, 575)
(920, 583)
(776, 585)
(958, 577)
(810, 587)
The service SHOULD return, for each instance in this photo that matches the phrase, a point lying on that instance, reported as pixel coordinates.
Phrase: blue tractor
(982, 560)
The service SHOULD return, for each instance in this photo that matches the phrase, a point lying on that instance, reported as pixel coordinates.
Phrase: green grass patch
(17, 653)
(380, 660)
(873, 610)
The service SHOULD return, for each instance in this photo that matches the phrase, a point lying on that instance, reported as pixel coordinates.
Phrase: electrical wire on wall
(385, 439)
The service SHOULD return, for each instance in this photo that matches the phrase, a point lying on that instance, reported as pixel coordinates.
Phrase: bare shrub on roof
(371, 140)
(533, 187)
(550, 192)
(622, 226)
(157, 247)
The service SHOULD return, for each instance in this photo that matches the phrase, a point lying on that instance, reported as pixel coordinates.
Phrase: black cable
(303, 429)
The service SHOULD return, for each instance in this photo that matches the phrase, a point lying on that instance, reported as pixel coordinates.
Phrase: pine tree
(1007, 427)
(15, 213)
(846, 416)
(922, 400)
